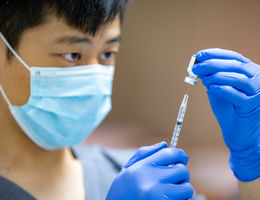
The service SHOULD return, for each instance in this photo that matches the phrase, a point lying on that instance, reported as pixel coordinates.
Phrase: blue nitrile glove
(233, 87)
(148, 175)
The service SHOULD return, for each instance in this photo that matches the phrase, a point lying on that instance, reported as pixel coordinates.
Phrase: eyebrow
(114, 40)
(69, 40)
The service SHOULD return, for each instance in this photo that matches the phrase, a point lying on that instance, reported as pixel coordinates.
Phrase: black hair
(87, 15)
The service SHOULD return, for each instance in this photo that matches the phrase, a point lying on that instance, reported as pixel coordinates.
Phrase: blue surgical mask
(66, 104)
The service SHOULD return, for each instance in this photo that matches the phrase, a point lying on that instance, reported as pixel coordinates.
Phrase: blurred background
(159, 37)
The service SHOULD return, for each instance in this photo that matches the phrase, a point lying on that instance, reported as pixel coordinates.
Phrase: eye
(108, 55)
(71, 57)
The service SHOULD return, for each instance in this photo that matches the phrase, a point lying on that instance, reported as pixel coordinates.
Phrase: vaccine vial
(191, 78)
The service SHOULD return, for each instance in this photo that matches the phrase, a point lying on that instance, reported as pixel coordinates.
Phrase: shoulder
(9, 190)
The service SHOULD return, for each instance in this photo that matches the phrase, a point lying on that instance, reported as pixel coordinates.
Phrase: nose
(91, 61)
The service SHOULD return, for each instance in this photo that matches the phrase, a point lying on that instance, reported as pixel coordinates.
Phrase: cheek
(36, 52)
(15, 80)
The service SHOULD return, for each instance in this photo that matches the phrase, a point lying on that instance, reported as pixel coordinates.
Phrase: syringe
(190, 79)
(179, 121)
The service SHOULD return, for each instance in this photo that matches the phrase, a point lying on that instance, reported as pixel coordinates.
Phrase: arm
(250, 190)
(233, 88)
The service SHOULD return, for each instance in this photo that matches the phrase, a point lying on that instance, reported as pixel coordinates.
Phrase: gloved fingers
(178, 191)
(254, 101)
(212, 66)
(228, 93)
(145, 152)
(236, 80)
(244, 103)
(217, 53)
(178, 173)
(168, 156)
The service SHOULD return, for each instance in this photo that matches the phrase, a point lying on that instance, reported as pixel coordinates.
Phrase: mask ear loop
(13, 51)
(5, 97)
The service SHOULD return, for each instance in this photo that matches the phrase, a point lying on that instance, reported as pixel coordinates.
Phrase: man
(47, 109)
(56, 66)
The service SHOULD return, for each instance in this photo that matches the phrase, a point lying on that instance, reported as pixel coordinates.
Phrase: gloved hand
(233, 87)
(148, 175)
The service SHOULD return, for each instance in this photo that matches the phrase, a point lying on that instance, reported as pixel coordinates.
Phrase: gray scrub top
(100, 166)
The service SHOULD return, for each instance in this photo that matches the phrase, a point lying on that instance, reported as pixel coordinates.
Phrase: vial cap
(190, 81)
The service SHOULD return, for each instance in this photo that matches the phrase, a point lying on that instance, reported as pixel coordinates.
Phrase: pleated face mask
(66, 104)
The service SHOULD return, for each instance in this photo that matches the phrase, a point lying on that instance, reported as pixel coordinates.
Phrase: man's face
(56, 44)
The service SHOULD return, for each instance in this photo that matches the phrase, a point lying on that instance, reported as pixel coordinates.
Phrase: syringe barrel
(178, 124)
(176, 134)
(181, 114)
(182, 109)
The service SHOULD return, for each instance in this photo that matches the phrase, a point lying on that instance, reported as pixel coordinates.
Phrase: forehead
(58, 27)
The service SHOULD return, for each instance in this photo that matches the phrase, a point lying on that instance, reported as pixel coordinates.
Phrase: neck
(18, 152)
